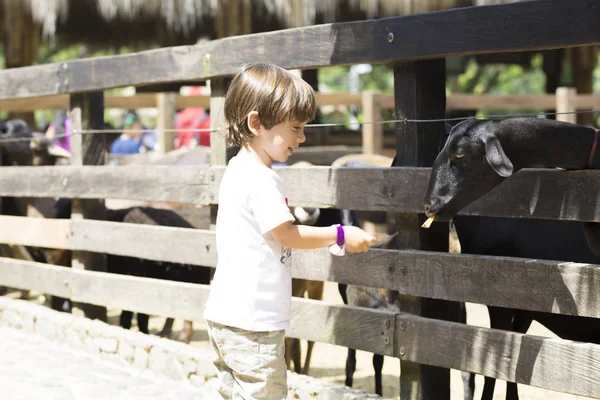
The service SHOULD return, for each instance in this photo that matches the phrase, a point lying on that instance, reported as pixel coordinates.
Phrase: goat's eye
(459, 156)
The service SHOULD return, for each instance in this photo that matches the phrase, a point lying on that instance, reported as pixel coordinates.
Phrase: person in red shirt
(192, 118)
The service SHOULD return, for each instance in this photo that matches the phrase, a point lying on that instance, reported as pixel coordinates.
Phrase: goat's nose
(430, 208)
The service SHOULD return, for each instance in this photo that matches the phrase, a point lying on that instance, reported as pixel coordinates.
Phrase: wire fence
(325, 125)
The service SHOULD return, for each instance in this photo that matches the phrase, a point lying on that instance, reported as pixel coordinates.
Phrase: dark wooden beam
(419, 91)
(538, 194)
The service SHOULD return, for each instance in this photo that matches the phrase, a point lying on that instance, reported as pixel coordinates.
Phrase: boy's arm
(314, 237)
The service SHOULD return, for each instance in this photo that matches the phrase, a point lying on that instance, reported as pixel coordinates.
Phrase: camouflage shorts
(251, 364)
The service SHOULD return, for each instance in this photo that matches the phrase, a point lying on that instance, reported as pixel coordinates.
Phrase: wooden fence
(427, 342)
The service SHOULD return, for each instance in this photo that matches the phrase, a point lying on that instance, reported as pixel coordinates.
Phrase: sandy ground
(328, 361)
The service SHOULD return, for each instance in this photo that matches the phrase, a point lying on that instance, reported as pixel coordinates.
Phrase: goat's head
(15, 136)
(26, 147)
(471, 164)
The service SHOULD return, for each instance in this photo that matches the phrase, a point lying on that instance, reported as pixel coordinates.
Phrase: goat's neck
(538, 143)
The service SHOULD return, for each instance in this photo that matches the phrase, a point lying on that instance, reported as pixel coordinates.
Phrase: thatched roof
(115, 22)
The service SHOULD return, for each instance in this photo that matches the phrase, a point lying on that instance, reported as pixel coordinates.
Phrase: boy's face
(279, 142)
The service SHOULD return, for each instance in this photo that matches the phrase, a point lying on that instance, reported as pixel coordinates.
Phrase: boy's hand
(357, 240)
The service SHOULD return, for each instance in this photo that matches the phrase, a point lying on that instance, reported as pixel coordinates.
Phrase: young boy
(266, 108)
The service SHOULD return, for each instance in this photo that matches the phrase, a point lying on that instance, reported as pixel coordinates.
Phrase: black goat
(479, 155)
(140, 267)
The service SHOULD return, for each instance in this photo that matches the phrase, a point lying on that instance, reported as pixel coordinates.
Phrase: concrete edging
(166, 357)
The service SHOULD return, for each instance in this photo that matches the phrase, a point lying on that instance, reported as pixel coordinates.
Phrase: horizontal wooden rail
(518, 26)
(181, 184)
(543, 193)
(455, 101)
(559, 287)
(555, 364)
(38, 232)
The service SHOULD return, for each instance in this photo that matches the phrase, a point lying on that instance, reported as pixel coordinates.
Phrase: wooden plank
(193, 246)
(29, 275)
(519, 26)
(372, 131)
(459, 101)
(150, 296)
(560, 287)
(455, 101)
(353, 327)
(588, 102)
(165, 123)
(217, 123)
(37, 232)
(338, 99)
(565, 103)
(568, 288)
(151, 183)
(419, 93)
(346, 187)
(61, 102)
(541, 193)
(555, 364)
(322, 155)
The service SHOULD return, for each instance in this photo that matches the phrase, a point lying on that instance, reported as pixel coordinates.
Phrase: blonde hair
(276, 94)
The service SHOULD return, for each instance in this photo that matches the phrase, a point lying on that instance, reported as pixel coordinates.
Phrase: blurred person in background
(191, 118)
(135, 138)
(60, 130)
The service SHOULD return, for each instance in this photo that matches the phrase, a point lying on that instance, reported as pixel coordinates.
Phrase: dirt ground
(328, 361)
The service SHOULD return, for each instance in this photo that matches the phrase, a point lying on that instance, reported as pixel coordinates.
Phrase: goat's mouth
(441, 213)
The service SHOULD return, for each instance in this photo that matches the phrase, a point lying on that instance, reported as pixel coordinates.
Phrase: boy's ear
(253, 122)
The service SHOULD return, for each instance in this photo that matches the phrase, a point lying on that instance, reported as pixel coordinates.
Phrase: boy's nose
(302, 137)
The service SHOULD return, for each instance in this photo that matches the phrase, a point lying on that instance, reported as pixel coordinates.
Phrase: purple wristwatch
(340, 236)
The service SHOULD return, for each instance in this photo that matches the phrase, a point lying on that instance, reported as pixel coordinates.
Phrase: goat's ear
(494, 153)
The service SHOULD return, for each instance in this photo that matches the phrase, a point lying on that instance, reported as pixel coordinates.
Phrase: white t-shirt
(252, 287)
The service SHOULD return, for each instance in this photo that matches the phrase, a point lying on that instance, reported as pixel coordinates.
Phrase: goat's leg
(60, 304)
(468, 385)
(125, 319)
(592, 236)
(306, 366)
(350, 366)
(186, 333)
(500, 318)
(167, 328)
(293, 354)
(142, 320)
(512, 392)
(378, 367)
(314, 290)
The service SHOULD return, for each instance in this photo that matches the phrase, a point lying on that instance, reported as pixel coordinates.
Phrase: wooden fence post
(419, 90)
(87, 112)
(372, 132)
(165, 104)
(566, 101)
(218, 148)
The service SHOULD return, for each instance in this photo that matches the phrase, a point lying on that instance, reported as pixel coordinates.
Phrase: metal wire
(391, 121)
